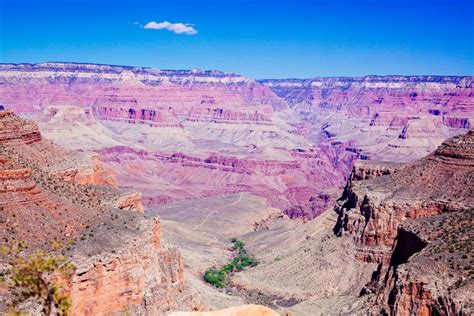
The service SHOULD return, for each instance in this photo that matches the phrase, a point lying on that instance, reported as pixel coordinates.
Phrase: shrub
(37, 276)
(228, 267)
(218, 277)
(239, 267)
(238, 244)
(215, 277)
(235, 261)
(246, 261)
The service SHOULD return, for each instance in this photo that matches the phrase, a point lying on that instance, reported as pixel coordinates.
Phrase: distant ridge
(108, 68)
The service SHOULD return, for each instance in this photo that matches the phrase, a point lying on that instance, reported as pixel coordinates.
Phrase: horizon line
(234, 73)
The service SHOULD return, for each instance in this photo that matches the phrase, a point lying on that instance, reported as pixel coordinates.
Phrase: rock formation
(220, 149)
(416, 222)
(386, 116)
(284, 183)
(148, 92)
(291, 141)
(200, 123)
(129, 270)
(122, 264)
(81, 168)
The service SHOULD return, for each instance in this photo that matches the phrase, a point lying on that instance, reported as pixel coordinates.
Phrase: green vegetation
(37, 275)
(218, 277)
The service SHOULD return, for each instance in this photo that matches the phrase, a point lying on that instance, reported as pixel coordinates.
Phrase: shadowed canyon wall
(415, 221)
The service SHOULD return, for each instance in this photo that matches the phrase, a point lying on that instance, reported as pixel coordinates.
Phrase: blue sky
(260, 39)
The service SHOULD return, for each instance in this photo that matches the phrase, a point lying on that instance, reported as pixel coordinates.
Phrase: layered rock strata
(307, 131)
(128, 269)
(416, 222)
(290, 185)
(386, 116)
(121, 262)
(116, 88)
(81, 168)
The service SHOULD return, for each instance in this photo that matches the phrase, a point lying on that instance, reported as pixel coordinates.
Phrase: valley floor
(303, 268)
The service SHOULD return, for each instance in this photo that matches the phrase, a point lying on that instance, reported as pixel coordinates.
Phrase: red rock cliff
(122, 263)
(136, 273)
(415, 221)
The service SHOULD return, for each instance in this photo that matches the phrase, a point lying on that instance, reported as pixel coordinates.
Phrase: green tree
(215, 277)
(37, 275)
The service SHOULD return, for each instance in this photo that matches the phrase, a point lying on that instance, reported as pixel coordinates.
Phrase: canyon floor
(302, 267)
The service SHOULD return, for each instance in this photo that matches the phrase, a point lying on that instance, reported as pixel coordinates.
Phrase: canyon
(326, 180)
(384, 117)
(292, 142)
(385, 249)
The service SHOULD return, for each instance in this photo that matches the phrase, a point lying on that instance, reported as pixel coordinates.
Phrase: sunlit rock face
(51, 194)
(180, 134)
(393, 118)
(165, 91)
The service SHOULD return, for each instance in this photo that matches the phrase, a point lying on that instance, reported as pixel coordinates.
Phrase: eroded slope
(121, 262)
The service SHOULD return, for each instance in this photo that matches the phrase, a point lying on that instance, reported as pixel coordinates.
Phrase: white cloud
(178, 28)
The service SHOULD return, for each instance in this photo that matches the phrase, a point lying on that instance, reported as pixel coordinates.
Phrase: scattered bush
(215, 277)
(218, 277)
(238, 244)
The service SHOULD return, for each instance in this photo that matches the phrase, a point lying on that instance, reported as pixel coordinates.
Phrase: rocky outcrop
(12, 128)
(92, 172)
(365, 170)
(415, 222)
(24, 136)
(429, 271)
(369, 210)
(122, 263)
(130, 201)
(131, 273)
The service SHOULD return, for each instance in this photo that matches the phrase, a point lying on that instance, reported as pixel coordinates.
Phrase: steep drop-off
(121, 262)
(416, 223)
